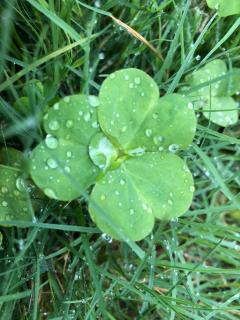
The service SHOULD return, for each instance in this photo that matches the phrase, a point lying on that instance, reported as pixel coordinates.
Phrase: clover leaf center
(102, 152)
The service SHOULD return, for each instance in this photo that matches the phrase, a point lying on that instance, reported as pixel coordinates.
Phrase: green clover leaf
(211, 89)
(63, 154)
(225, 8)
(125, 144)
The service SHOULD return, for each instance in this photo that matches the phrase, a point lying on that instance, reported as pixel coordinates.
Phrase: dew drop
(122, 181)
(20, 184)
(51, 142)
(93, 101)
(67, 169)
(69, 154)
(4, 189)
(112, 76)
(131, 85)
(67, 99)
(102, 197)
(50, 193)
(54, 125)
(87, 116)
(132, 212)
(137, 80)
(192, 189)
(56, 106)
(101, 56)
(190, 105)
(95, 124)
(173, 148)
(69, 123)
(126, 77)
(52, 163)
(148, 132)
(107, 237)
(155, 115)
(4, 204)
(124, 129)
(157, 139)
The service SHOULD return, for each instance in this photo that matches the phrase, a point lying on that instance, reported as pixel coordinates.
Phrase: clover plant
(14, 197)
(225, 7)
(212, 88)
(123, 143)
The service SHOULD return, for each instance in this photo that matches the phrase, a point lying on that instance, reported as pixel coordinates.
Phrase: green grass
(61, 267)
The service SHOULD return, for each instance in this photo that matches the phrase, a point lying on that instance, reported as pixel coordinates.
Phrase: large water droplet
(112, 76)
(54, 125)
(101, 151)
(20, 184)
(51, 142)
